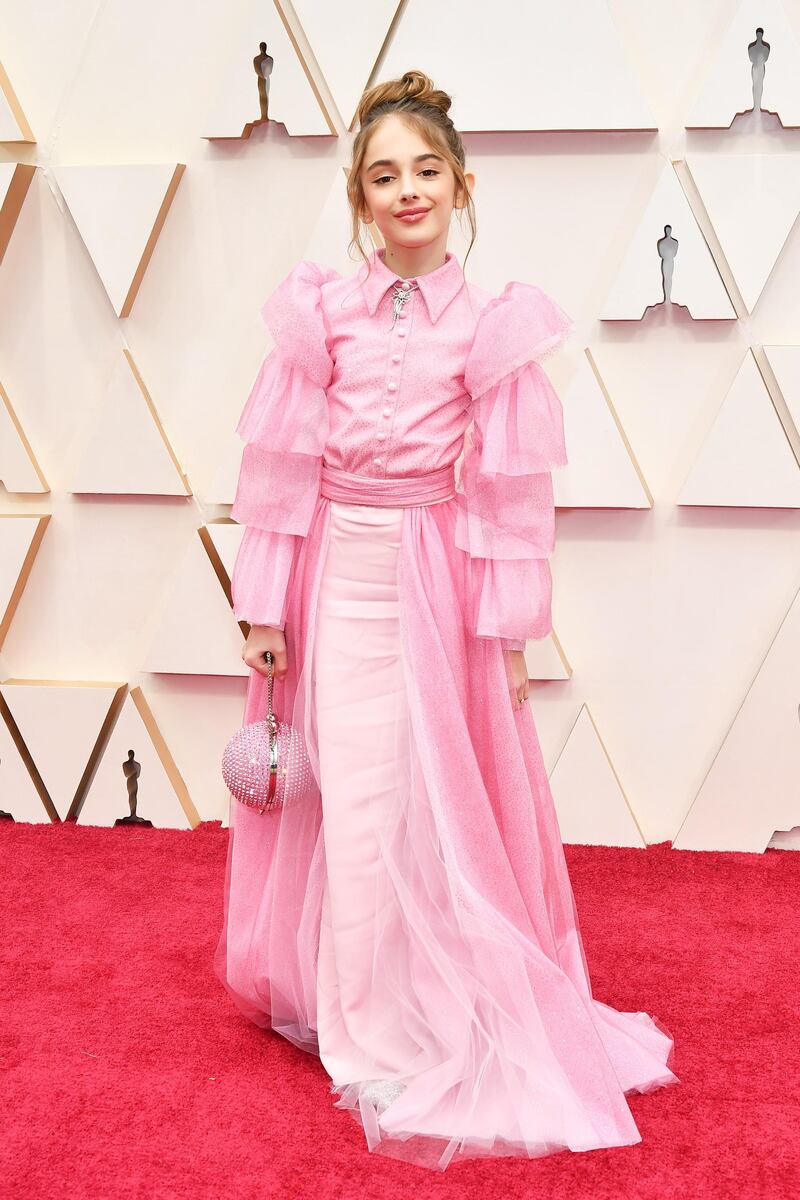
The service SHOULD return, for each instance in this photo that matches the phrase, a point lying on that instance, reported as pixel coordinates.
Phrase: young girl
(411, 921)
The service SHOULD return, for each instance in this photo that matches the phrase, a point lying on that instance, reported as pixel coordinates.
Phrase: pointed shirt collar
(438, 287)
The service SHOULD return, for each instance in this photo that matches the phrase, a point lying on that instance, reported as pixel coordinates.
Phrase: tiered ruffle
(506, 511)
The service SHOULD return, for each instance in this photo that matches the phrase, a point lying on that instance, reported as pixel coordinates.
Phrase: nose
(409, 189)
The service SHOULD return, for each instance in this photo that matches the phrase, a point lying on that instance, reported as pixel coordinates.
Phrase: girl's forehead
(392, 135)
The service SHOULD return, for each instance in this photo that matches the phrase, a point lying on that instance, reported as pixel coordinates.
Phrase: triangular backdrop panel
(590, 803)
(326, 244)
(328, 241)
(60, 724)
(197, 632)
(346, 62)
(18, 794)
(745, 460)
(20, 538)
(696, 283)
(785, 363)
(477, 48)
(291, 95)
(728, 86)
(602, 471)
(14, 126)
(119, 210)
(227, 538)
(161, 793)
(127, 452)
(752, 201)
(545, 658)
(15, 179)
(222, 489)
(19, 470)
(752, 787)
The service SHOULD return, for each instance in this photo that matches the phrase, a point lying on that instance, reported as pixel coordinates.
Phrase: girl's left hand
(517, 673)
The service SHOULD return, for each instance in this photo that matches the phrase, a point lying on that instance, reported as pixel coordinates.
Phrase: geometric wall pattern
(346, 63)
(19, 470)
(667, 257)
(273, 83)
(707, 245)
(119, 211)
(751, 788)
(746, 459)
(127, 451)
(197, 632)
(602, 471)
(14, 125)
(740, 76)
(15, 179)
(751, 202)
(442, 39)
(20, 539)
(591, 806)
(153, 789)
(56, 726)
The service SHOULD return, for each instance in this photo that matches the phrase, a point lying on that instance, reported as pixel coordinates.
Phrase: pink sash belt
(384, 490)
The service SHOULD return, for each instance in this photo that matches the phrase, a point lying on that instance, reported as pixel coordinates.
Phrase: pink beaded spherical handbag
(266, 764)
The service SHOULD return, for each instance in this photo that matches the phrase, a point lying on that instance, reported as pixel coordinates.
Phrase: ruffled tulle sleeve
(506, 514)
(284, 425)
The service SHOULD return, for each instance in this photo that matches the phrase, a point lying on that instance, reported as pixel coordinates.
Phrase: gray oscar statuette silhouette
(262, 65)
(667, 249)
(132, 769)
(758, 53)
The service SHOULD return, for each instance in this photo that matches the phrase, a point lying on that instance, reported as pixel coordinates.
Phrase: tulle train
(469, 999)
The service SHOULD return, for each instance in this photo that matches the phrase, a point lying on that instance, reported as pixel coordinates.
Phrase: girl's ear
(461, 199)
(365, 214)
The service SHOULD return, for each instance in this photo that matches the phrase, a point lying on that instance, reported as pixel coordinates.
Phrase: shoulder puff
(285, 409)
(520, 325)
(293, 314)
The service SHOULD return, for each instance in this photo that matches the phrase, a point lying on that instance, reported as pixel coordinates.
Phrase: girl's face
(403, 174)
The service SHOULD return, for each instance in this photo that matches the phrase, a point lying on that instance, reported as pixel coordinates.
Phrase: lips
(412, 215)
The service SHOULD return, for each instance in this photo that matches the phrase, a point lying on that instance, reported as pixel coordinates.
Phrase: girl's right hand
(260, 639)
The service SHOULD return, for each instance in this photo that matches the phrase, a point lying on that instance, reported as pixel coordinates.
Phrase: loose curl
(424, 108)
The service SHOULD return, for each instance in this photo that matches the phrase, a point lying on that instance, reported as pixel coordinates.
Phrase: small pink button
(392, 386)
(402, 314)
(401, 333)
(377, 462)
(387, 412)
(395, 358)
(381, 435)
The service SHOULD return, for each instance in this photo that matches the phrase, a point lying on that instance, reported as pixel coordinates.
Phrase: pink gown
(412, 922)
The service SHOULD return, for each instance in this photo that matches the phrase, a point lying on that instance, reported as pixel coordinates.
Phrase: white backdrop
(660, 701)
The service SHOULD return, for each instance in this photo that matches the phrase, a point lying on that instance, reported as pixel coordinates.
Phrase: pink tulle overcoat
(484, 954)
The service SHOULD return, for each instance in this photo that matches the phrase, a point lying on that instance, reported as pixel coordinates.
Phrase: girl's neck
(409, 261)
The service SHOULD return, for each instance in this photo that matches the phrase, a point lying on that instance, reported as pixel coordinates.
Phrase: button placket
(394, 369)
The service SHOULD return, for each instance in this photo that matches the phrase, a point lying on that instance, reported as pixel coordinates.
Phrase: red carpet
(126, 1072)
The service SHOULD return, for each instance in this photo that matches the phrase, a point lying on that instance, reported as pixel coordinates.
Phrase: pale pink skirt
(363, 738)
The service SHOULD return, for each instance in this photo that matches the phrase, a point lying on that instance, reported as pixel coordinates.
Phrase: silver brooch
(399, 297)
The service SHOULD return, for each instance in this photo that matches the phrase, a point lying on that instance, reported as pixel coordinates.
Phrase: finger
(280, 664)
(256, 661)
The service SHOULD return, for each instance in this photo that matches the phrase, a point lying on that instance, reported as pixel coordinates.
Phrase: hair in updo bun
(424, 108)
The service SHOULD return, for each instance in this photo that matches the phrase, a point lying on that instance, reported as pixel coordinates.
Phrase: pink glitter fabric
(459, 370)
(497, 1043)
